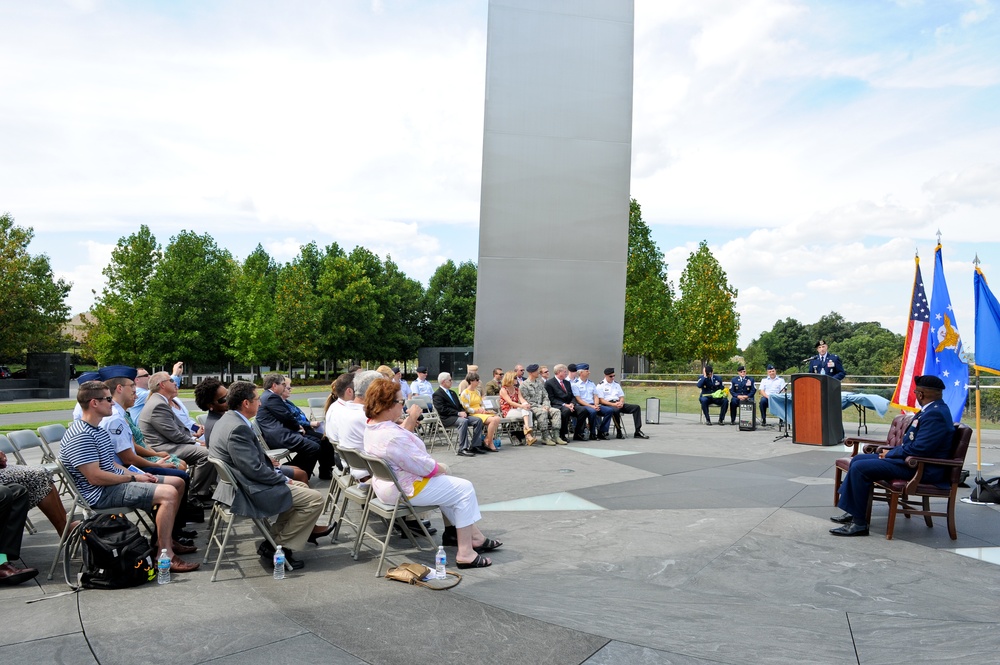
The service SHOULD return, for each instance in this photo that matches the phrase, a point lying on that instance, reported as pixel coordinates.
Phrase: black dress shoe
(415, 528)
(320, 534)
(849, 530)
(846, 518)
(325, 474)
(708, 422)
(187, 542)
(268, 561)
(265, 549)
(477, 451)
(602, 437)
(185, 533)
(619, 435)
(579, 437)
(639, 434)
(465, 453)
(449, 538)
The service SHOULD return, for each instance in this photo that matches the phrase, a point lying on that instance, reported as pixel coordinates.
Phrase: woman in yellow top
(473, 403)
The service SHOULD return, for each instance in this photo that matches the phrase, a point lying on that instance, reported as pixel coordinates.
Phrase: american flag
(915, 348)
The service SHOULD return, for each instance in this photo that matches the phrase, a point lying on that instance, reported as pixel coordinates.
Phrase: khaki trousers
(292, 528)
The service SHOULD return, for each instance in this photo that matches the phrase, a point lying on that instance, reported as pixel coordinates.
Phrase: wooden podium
(817, 418)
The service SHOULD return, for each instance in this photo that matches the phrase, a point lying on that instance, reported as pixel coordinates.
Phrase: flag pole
(979, 434)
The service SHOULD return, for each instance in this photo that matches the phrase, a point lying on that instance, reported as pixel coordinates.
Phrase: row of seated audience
(741, 389)
(112, 438)
(547, 405)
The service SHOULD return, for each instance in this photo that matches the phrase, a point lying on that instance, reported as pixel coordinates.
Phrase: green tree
(871, 350)
(296, 309)
(34, 302)
(450, 305)
(649, 295)
(402, 299)
(784, 346)
(251, 330)
(831, 328)
(119, 330)
(349, 307)
(188, 301)
(709, 323)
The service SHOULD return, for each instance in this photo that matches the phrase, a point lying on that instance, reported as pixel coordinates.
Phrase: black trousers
(14, 508)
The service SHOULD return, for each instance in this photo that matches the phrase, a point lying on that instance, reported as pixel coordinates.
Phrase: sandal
(478, 562)
(488, 545)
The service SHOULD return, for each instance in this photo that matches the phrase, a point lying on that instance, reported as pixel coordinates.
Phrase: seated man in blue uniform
(741, 389)
(711, 385)
(929, 435)
(826, 363)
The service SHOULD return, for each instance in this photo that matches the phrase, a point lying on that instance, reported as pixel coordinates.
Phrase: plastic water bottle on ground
(279, 564)
(163, 568)
(440, 563)
(496, 441)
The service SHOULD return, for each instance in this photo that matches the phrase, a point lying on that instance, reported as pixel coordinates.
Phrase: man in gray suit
(266, 491)
(163, 432)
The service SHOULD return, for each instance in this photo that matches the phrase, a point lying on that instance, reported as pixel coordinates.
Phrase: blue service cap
(88, 376)
(115, 371)
(580, 366)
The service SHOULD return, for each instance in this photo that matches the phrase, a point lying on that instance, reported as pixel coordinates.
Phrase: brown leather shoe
(11, 576)
(179, 565)
(180, 548)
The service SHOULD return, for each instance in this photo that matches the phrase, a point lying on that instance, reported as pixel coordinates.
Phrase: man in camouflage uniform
(548, 419)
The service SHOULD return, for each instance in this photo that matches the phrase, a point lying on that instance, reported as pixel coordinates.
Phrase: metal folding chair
(222, 512)
(8, 449)
(24, 440)
(316, 405)
(280, 454)
(69, 540)
(357, 493)
(393, 514)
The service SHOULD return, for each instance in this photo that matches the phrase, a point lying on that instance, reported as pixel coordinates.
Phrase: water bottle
(279, 564)
(163, 568)
(440, 561)
(496, 441)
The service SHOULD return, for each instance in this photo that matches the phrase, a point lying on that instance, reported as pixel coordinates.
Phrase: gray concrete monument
(557, 144)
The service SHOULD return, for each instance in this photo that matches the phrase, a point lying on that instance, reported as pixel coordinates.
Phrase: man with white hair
(449, 409)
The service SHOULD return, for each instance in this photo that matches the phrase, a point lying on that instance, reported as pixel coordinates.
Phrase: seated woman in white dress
(424, 480)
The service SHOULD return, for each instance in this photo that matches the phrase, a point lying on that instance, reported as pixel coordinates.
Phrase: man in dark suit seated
(710, 386)
(561, 397)
(826, 363)
(266, 491)
(281, 429)
(449, 409)
(14, 506)
(929, 435)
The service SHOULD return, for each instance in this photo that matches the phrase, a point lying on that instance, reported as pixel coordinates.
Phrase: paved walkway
(700, 545)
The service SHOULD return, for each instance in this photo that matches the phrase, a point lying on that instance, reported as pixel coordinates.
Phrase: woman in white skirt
(424, 480)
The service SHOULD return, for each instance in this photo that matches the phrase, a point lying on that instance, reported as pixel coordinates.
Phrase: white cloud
(86, 275)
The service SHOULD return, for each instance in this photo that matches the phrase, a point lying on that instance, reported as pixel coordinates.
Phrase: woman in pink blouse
(423, 479)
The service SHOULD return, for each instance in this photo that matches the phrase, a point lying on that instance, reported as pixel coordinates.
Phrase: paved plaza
(699, 545)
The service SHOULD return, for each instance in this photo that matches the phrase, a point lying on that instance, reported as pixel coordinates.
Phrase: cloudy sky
(815, 145)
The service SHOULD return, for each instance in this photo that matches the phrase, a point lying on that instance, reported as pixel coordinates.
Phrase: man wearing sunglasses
(88, 453)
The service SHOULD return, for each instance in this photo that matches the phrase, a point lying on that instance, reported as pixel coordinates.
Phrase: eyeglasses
(399, 401)
(141, 376)
(222, 400)
(105, 399)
